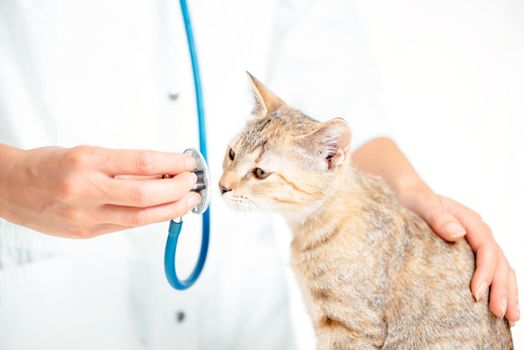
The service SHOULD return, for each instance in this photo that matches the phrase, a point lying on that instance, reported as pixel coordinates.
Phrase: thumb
(447, 226)
(444, 223)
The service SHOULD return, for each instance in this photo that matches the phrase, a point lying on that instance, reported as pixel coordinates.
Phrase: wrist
(415, 195)
(9, 160)
(409, 183)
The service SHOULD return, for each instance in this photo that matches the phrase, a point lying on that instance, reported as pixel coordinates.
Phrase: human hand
(86, 191)
(453, 221)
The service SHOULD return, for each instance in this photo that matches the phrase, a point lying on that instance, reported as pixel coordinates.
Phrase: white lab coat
(101, 72)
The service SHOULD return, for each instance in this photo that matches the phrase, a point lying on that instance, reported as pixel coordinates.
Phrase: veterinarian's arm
(449, 219)
(86, 191)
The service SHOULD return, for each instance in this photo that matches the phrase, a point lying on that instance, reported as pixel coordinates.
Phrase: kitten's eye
(260, 174)
(231, 154)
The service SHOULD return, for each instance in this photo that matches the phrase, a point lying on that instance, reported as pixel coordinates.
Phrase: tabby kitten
(373, 273)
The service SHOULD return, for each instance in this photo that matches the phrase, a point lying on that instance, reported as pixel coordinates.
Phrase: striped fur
(373, 274)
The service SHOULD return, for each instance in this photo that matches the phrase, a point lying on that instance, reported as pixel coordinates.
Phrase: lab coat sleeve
(322, 64)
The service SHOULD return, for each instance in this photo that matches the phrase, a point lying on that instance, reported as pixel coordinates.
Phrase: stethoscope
(202, 184)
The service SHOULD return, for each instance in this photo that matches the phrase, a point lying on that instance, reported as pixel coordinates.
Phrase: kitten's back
(430, 304)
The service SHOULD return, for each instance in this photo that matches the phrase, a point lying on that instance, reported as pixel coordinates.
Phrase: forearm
(382, 157)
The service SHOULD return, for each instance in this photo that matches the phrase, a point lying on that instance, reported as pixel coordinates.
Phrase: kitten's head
(283, 160)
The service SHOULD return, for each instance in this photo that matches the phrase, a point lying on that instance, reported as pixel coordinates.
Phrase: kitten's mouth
(241, 203)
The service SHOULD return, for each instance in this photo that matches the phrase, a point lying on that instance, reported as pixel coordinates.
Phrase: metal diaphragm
(203, 180)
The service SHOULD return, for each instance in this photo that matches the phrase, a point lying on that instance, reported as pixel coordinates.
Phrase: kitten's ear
(266, 101)
(330, 141)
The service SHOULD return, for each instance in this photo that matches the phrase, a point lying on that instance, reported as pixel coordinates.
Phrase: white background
(453, 80)
(453, 90)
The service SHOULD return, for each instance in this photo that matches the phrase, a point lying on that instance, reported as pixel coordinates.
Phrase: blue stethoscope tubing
(174, 226)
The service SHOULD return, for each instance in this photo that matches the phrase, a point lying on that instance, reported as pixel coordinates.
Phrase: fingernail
(192, 180)
(193, 200)
(481, 290)
(503, 306)
(455, 230)
(511, 323)
(190, 162)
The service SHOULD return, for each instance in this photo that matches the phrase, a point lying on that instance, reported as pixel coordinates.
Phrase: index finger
(142, 162)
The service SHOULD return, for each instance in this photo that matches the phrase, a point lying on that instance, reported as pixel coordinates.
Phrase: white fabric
(99, 72)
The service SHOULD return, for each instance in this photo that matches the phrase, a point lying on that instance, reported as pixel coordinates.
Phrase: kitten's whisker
(250, 201)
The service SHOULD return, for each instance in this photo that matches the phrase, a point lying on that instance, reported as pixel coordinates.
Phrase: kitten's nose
(223, 189)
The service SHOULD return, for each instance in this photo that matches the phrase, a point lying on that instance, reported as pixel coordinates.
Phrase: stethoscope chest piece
(202, 184)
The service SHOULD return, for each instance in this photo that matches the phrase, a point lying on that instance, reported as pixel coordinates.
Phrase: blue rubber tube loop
(176, 227)
(170, 253)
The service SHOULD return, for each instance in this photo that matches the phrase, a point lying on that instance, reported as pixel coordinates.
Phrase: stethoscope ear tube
(202, 174)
